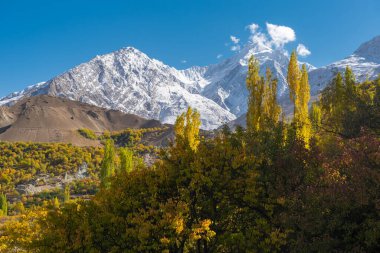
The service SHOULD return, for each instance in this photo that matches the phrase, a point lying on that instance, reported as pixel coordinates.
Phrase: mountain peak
(370, 50)
(129, 49)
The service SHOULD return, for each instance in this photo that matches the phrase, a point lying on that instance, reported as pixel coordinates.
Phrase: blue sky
(40, 39)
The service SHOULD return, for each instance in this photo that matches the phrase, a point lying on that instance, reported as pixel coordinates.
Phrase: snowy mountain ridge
(130, 81)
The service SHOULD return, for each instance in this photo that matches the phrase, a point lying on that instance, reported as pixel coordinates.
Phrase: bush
(88, 133)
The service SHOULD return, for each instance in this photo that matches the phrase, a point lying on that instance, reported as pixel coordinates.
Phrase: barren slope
(51, 119)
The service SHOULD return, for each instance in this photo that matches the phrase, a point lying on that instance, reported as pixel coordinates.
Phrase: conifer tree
(126, 160)
(3, 205)
(108, 163)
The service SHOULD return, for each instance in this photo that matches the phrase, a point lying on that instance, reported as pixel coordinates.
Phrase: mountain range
(130, 81)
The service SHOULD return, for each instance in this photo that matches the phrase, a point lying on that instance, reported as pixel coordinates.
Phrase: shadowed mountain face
(52, 119)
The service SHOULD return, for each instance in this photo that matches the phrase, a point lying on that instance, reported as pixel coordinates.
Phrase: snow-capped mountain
(227, 79)
(130, 81)
(365, 63)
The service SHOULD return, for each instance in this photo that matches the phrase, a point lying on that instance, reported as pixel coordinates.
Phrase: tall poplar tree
(263, 109)
(303, 111)
(271, 109)
(66, 196)
(126, 160)
(255, 86)
(3, 205)
(186, 129)
(108, 163)
(293, 79)
(299, 91)
(349, 81)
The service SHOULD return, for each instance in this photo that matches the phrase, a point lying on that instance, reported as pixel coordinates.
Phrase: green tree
(108, 164)
(55, 203)
(3, 205)
(350, 83)
(271, 109)
(126, 160)
(315, 115)
(66, 195)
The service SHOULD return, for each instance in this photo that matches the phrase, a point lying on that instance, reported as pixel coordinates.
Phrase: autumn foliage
(309, 185)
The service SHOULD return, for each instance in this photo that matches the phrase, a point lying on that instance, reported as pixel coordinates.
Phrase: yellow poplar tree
(271, 108)
(299, 91)
(303, 112)
(255, 86)
(293, 79)
(186, 129)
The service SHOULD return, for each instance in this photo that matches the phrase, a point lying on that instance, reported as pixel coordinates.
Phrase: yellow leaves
(202, 230)
(299, 91)
(255, 86)
(178, 225)
(186, 129)
(263, 110)
(293, 77)
(164, 240)
(18, 232)
(334, 176)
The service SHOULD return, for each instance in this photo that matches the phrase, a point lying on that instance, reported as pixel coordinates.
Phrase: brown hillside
(51, 119)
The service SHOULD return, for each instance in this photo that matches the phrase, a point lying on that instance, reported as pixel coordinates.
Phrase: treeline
(309, 185)
(22, 162)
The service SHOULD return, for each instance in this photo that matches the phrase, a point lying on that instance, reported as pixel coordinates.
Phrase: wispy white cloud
(234, 39)
(253, 28)
(280, 35)
(183, 61)
(235, 43)
(260, 39)
(219, 56)
(302, 50)
(271, 37)
(235, 48)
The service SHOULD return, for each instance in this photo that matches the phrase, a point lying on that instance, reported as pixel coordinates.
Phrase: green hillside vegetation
(21, 162)
(88, 133)
(308, 185)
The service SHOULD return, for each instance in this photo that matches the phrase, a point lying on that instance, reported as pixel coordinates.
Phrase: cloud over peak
(275, 37)
(302, 50)
(280, 34)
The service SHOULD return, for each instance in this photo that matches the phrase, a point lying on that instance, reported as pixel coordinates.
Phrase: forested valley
(309, 182)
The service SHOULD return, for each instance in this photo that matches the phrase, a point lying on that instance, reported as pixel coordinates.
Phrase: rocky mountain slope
(129, 81)
(365, 63)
